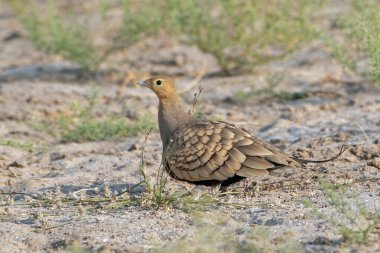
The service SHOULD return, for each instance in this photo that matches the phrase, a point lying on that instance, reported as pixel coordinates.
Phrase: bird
(210, 152)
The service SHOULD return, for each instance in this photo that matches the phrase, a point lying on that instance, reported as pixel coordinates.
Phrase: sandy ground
(335, 113)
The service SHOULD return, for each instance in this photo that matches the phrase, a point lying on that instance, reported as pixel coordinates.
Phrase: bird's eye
(158, 82)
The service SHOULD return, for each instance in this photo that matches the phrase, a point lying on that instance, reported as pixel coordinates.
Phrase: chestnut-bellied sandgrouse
(203, 151)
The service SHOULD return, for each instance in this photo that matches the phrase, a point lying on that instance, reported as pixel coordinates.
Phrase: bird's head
(163, 86)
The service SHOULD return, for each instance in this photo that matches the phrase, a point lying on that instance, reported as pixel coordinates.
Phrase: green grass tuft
(82, 123)
(25, 145)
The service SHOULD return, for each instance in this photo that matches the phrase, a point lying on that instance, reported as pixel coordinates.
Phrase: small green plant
(352, 218)
(29, 146)
(81, 123)
(105, 129)
(154, 194)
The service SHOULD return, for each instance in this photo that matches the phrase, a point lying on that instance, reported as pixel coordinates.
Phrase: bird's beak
(142, 83)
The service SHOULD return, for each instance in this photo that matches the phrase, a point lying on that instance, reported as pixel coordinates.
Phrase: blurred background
(303, 75)
(131, 38)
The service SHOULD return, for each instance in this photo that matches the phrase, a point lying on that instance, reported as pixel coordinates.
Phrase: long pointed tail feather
(342, 150)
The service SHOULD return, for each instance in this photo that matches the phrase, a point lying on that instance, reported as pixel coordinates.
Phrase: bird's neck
(171, 115)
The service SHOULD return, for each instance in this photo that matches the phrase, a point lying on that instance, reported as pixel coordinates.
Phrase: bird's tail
(342, 150)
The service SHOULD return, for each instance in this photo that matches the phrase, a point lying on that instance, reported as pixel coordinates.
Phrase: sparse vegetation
(155, 194)
(351, 216)
(81, 123)
(25, 145)
(58, 33)
(360, 27)
(239, 34)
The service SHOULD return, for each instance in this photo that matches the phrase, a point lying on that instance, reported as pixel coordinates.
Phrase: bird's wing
(216, 150)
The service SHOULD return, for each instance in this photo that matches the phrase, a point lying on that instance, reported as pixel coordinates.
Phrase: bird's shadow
(71, 192)
(88, 191)
(101, 189)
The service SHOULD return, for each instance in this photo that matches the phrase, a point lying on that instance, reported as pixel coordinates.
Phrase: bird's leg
(189, 187)
(245, 185)
(215, 190)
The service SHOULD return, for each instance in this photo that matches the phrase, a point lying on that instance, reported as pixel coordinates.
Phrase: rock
(274, 222)
(374, 162)
(54, 156)
(134, 146)
(57, 70)
(17, 164)
(10, 35)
